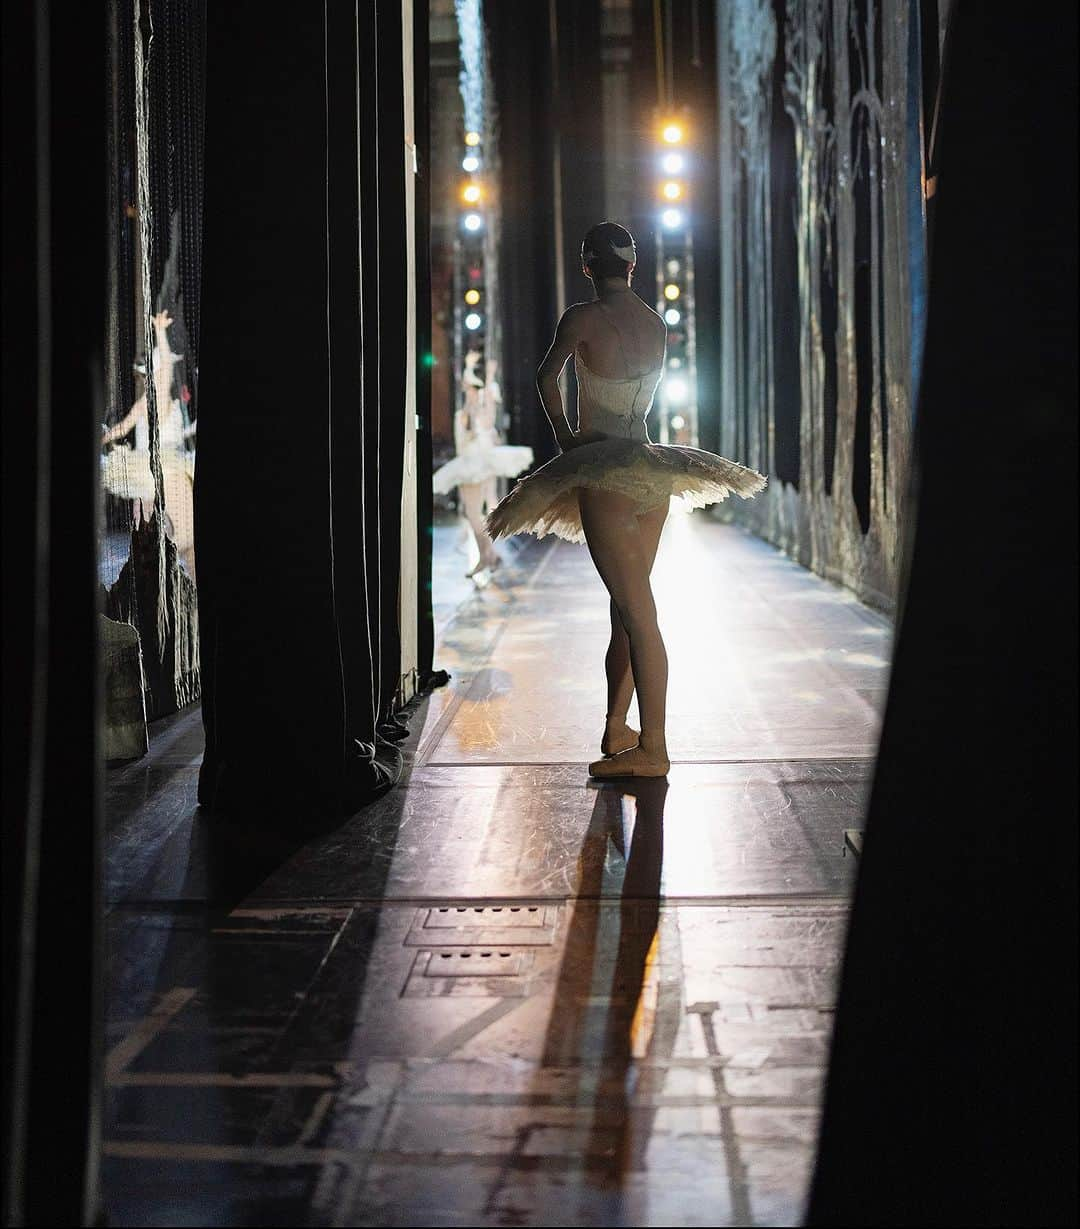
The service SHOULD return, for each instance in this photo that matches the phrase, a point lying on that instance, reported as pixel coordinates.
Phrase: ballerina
(126, 471)
(481, 457)
(611, 487)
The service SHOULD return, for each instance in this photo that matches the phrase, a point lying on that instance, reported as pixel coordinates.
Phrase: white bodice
(615, 406)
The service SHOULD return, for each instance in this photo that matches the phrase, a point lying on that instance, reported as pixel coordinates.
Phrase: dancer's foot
(618, 738)
(636, 762)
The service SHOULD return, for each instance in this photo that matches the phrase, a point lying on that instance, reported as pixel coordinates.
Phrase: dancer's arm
(137, 411)
(567, 336)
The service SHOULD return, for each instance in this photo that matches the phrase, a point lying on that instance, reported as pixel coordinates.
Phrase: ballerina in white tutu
(126, 473)
(481, 457)
(611, 487)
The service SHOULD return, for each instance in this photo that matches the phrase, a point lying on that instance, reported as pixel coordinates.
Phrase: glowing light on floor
(671, 292)
(473, 221)
(672, 315)
(470, 163)
(672, 163)
(473, 321)
(672, 218)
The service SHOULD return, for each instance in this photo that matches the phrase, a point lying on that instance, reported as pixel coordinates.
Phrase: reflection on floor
(501, 996)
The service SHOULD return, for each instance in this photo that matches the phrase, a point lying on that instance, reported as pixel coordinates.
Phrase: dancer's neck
(612, 290)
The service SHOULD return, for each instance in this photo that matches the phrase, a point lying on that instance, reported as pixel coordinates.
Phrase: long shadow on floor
(613, 1005)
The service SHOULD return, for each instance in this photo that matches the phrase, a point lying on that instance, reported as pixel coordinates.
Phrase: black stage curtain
(521, 70)
(298, 480)
(54, 190)
(424, 464)
(952, 1087)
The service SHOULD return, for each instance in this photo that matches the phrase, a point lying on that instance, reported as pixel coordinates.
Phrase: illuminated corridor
(501, 995)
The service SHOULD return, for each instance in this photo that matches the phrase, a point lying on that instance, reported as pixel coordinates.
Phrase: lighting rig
(674, 161)
(470, 299)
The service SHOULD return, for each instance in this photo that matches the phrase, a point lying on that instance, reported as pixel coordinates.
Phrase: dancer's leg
(620, 678)
(619, 549)
(472, 505)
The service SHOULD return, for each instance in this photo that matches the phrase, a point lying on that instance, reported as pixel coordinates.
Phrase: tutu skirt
(649, 474)
(477, 463)
(125, 472)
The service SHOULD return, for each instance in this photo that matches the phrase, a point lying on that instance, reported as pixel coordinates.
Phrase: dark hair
(598, 253)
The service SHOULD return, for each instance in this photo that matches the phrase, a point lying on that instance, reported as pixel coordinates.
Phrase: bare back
(621, 337)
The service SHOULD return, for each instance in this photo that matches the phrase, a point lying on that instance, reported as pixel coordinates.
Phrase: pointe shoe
(633, 763)
(623, 742)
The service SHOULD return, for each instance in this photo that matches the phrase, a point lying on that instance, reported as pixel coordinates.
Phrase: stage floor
(501, 995)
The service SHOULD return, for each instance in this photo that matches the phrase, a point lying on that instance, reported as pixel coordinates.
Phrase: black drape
(393, 276)
(952, 1085)
(298, 478)
(424, 463)
(55, 75)
(520, 63)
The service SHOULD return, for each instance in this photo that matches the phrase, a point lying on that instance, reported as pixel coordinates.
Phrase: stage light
(674, 363)
(472, 138)
(677, 422)
(470, 163)
(672, 315)
(677, 390)
(671, 292)
(473, 221)
(672, 190)
(672, 133)
(673, 268)
(470, 193)
(672, 218)
(472, 296)
(672, 163)
(473, 321)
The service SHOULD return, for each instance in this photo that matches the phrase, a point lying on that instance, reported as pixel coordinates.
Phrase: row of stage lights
(472, 222)
(674, 279)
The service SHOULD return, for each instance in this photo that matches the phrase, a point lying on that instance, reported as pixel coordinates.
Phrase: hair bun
(608, 249)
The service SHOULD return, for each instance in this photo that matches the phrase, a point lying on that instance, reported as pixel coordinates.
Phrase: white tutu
(649, 474)
(125, 472)
(625, 462)
(478, 461)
